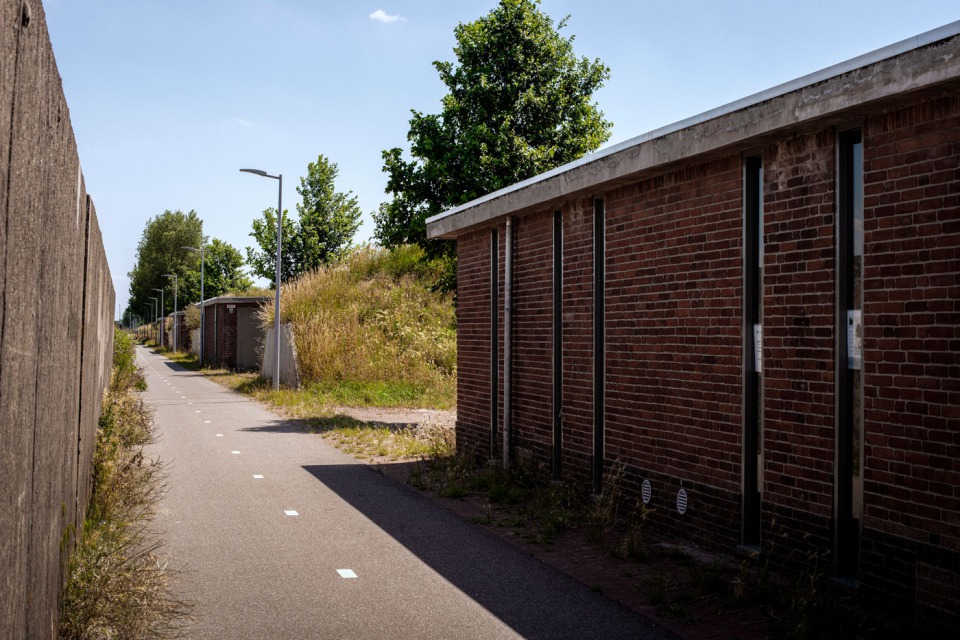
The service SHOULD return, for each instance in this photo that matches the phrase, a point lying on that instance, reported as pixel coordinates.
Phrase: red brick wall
(912, 349)
(673, 334)
(798, 319)
(220, 346)
(577, 314)
(473, 343)
(533, 334)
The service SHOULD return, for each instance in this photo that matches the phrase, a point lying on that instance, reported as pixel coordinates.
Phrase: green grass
(184, 358)
(371, 440)
(315, 407)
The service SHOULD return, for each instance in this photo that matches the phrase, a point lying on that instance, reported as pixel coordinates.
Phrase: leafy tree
(327, 221)
(222, 273)
(160, 251)
(328, 218)
(263, 261)
(224, 269)
(519, 104)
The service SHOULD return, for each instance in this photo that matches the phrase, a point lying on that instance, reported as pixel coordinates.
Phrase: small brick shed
(754, 313)
(178, 331)
(234, 338)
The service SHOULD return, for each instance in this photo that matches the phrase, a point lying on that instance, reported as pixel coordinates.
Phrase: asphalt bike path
(283, 536)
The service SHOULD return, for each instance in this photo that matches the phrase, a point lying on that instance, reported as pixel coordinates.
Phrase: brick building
(755, 312)
(178, 331)
(234, 338)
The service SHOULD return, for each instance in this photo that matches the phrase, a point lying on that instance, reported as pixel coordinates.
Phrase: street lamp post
(153, 308)
(203, 327)
(176, 324)
(276, 304)
(146, 320)
(163, 311)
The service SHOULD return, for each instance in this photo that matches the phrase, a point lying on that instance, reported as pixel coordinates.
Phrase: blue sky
(169, 98)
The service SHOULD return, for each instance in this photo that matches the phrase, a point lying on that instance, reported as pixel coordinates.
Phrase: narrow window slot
(849, 365)
(752, 481)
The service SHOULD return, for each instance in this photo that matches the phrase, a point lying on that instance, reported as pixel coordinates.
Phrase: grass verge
(118, 586)
(315, 407)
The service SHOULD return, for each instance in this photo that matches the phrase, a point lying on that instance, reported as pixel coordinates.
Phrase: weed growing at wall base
(118, 585)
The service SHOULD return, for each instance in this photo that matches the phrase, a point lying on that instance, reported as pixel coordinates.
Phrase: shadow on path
(533, 599)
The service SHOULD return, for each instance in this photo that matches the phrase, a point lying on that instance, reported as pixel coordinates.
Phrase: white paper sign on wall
(854, 339)
(758, 348)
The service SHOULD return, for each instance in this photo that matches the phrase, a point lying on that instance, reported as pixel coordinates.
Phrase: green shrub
(192, 317)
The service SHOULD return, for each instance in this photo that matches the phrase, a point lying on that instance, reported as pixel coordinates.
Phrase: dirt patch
(399, 418)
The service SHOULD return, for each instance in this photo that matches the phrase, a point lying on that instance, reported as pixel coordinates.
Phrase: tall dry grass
(374, 318)
(118, 584)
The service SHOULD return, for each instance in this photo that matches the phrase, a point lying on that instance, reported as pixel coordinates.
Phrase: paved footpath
(266, 517)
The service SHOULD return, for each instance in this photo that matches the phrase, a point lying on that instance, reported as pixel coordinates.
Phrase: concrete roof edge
(231, 299)
(890, 51)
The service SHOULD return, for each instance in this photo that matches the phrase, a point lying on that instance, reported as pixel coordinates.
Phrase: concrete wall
(288, 357)
(57, 328)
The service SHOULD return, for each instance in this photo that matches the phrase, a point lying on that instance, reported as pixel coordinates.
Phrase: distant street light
(163, 311)
(276, 278)
(146, 321)
(176, 325)
(156, 301)
(203, 324)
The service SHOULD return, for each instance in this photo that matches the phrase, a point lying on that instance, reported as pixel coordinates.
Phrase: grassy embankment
(370, 331)
(117, 586)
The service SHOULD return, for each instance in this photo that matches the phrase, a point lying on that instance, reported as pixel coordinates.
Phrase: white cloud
(382, 16)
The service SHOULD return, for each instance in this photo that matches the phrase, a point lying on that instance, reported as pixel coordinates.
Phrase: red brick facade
(220, 317)
(912, 350)
(674, 342)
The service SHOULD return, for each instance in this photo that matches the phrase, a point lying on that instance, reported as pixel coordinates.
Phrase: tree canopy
(263, 260)
(519, 103)
(161, 251)
(328, 218)
(222, 272)
(326, 222)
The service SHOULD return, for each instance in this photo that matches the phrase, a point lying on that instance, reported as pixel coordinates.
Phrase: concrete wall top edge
(235, 300)
(924, 61)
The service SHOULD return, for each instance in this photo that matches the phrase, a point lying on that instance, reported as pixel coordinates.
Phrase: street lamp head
(257, 172)
(190, 248)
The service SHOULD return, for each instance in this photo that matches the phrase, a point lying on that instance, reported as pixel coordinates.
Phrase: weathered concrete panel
(97, 352)
(56, 328)
(54, 494)
(13, 440)
(18, 341)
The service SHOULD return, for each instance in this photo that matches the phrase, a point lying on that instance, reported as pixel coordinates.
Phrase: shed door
(246, 338)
